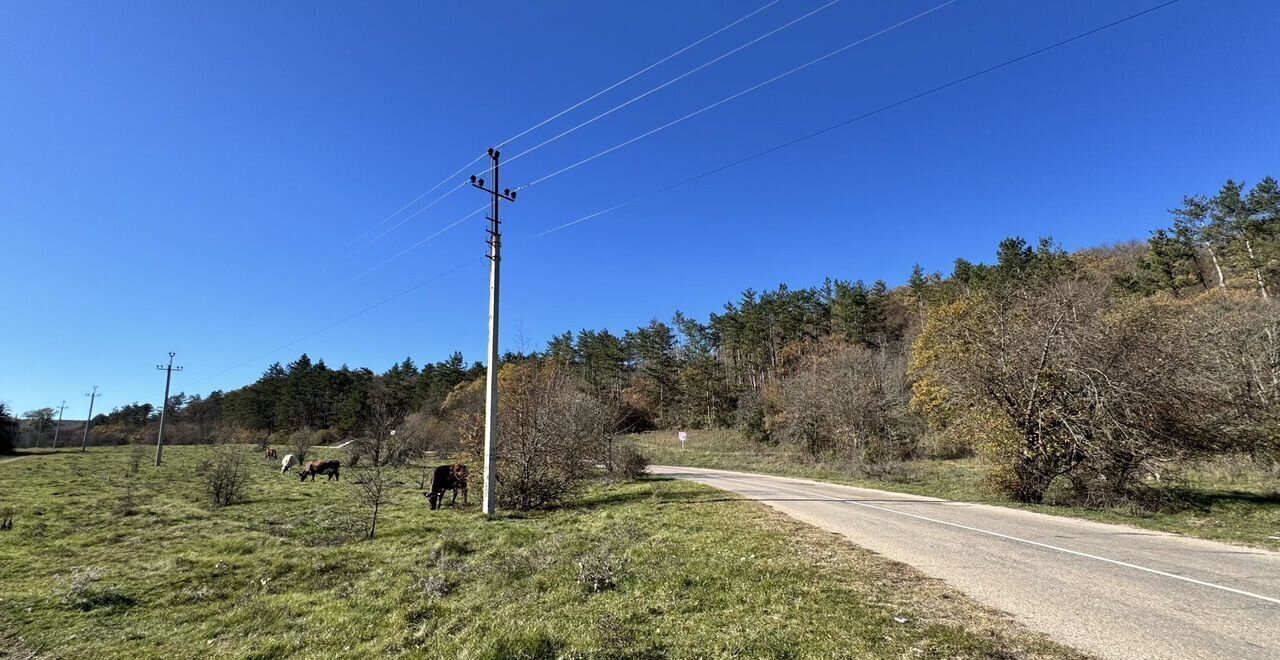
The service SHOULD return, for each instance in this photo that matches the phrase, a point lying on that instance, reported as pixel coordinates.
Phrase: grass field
(102, 565)
(1225, 502)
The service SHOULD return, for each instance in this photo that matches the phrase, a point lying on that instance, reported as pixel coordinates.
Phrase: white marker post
(683, 436)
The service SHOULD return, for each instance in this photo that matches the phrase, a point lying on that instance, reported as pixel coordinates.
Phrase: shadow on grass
(1184, 499)
(613, 498)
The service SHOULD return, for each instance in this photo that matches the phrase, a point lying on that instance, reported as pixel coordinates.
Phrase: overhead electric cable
(579, 104)
(342, 320)
(405, 251)
(866, 115)
(682, 76)
(553, 117)
(415, 200)
(731, 97)
(407, 218)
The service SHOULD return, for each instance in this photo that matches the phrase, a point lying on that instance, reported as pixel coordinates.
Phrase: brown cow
(312, 468)
(271, 453)
(447, 477)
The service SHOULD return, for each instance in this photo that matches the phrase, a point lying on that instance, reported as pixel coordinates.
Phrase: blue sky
(191, 176)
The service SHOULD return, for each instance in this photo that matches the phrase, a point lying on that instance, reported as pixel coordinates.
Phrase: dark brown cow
(271, 453)
(312, 468)
(447, 477)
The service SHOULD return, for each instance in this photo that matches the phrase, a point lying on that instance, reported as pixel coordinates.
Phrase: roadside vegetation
(106, 564)
(1223, 500)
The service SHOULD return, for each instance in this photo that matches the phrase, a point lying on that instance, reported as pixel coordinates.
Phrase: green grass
(1225, 501)
(682, 572)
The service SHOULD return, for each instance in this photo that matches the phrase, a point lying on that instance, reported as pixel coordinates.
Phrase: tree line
(1098, 369)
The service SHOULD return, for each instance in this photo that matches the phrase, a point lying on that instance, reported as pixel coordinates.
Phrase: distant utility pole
(491, 377)
(58, 427)
(84, 442)
(164, 405)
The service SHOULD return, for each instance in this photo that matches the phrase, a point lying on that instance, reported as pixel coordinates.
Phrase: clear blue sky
(186, 176)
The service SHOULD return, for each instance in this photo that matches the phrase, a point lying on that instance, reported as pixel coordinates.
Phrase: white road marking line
(1117, 562)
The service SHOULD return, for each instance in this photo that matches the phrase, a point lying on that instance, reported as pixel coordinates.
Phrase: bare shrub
(387, 406)
(421, 433)
(137, 454)
(372, 488)
(410, 439)
(631, 463)
(850, 403)
(225, 476)
(1242, 340)
(302, 441)
(1067, 381)
(550, 431)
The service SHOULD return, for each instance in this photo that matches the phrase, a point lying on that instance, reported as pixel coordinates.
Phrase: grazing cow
(447, 477)
(329, 467)
(271, 453)
(289, 461)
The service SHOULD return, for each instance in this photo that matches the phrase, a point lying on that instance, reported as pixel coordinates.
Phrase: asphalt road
(1109, 590)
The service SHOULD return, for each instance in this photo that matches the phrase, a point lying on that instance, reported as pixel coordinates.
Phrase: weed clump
(77, 590)
(435, 586)
(600, 571)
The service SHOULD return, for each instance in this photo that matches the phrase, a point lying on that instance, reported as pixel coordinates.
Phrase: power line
(542, 123)
(415, 200)
(624, 80)
(412, 215)
(731, 97)
(865, 115)
(340, 321)
(685, 117)
(670, 82)
(415, 246)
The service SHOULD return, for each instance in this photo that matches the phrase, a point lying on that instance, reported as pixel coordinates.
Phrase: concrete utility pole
(88, 421)
(491, 378)
(164, 405)
(58, 427)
